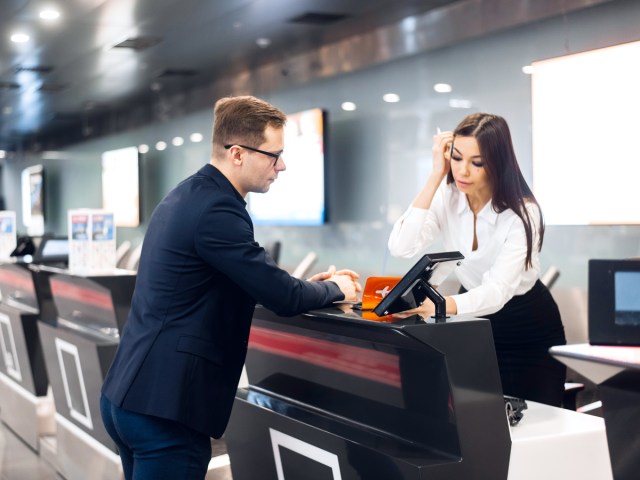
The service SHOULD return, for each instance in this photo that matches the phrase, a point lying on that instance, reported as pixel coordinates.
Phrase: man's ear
(236, 156)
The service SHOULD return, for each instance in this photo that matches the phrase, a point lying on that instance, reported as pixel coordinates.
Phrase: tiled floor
(20, 462)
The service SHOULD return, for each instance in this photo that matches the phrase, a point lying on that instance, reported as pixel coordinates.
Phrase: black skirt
(523, 331)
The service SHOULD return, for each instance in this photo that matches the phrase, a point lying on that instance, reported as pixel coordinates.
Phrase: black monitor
(414, 287)
(52, 251)
(614, 303)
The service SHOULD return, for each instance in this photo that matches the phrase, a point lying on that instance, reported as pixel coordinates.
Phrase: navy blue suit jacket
(200, 275)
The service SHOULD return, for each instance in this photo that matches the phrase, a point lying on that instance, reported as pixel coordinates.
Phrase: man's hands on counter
(347, 281)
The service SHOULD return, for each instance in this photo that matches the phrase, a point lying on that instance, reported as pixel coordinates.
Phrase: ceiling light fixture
(20, 38)
(161, 145)
(177, 141)
(348, 106)
(3, 154)
(460, 103)
(442, 88)
(391, 97)
(143, 148)
(195, 137)
(263, 42)
(527, 69)
(49, 14)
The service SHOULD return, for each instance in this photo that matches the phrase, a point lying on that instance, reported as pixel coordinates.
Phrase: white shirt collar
(488, 214)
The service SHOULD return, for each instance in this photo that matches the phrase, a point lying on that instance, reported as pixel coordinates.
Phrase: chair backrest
(134, 258)
(550, 276)
(273, 249)
(121, 251)
(305, 265)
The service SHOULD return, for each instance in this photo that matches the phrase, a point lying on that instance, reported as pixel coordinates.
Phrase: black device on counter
(514, 408)
(52, 251)
(614, 302)
(414, 287)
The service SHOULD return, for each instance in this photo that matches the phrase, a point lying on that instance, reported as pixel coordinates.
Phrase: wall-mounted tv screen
(33, 199)
(584, 107)
(297, 197)
(121, 186)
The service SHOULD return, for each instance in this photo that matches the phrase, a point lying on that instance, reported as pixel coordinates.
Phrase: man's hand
(347, 281)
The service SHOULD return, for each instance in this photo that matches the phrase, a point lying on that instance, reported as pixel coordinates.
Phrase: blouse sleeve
(416, 229)
(500, 282)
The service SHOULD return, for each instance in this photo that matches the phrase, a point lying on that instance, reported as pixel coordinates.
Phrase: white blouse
(495, 271)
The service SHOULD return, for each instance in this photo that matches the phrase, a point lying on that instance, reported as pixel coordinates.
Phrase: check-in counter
(78, 350)
(616, 371)
(332, 396)
(25, 405)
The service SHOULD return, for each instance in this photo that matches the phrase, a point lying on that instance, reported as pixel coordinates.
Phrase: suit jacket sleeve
(225, 240)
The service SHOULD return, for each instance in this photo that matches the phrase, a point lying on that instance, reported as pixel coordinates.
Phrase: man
(173, 380)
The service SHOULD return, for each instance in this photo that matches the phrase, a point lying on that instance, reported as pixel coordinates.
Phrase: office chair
(133, 259)
(121, 251)
(571, 388)
(303, 268)
(273, 249)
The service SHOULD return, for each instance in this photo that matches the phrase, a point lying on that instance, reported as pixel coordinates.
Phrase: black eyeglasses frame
(275, 156)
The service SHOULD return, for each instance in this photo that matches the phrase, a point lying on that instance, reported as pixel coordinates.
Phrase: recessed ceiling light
(3, 154)
(442, 88)
(460, 103)
(177, 141)
(161, 145)
(527, 69)
(143, 148)
(195, 137)
(391, 97)
(263, 42)
(20, 38)
(348, 106)
(49, 14)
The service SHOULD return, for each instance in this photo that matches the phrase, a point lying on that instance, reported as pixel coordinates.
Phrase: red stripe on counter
(356, 361)
(80, 294)
(15, 280)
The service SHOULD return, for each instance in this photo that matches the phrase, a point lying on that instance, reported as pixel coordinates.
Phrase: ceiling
(101, 56)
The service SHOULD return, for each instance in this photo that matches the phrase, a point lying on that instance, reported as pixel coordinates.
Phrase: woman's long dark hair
(510, 190)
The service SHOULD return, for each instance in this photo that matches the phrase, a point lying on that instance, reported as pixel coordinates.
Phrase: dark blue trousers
(153, 448)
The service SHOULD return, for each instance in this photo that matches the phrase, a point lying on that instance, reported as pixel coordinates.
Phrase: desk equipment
(614, 302)
(414, 287)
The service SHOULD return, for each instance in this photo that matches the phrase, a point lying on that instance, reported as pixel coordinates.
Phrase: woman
(487, 211)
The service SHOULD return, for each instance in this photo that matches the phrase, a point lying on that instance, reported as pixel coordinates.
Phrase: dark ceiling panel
(199, 42)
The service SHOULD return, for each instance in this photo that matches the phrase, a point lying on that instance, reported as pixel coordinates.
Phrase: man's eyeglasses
(275, 156)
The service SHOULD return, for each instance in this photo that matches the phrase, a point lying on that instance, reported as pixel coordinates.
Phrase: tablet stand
(438, 300)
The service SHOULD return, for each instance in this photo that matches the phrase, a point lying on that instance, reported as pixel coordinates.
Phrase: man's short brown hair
(243, 120)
